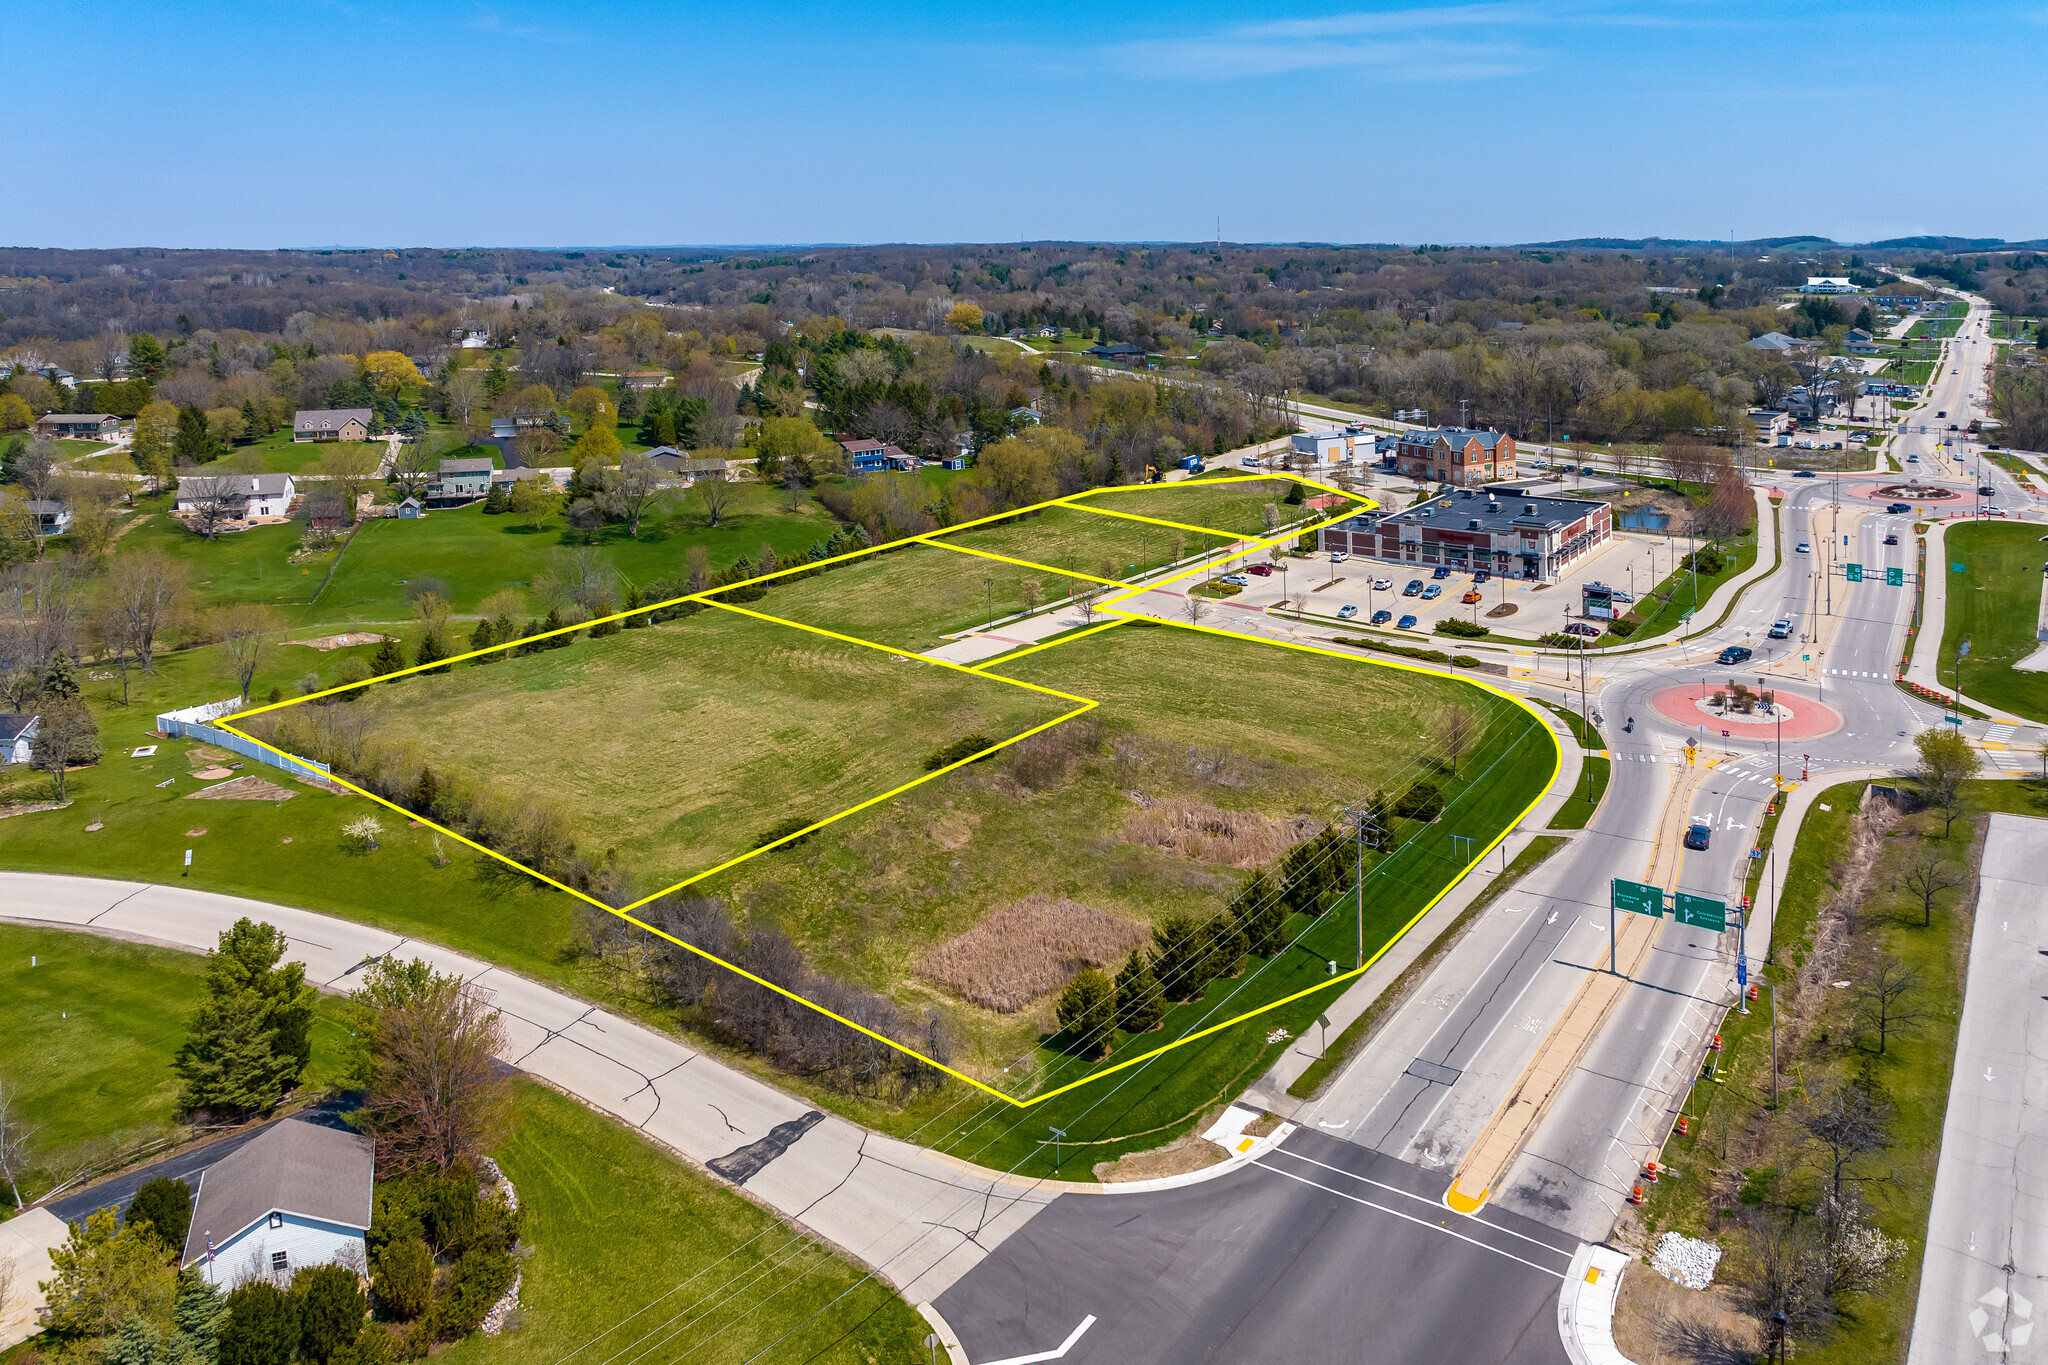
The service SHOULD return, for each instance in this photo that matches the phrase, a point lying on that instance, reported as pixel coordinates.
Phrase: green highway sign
(1643, 900)
(1894, 577)
(1854, 571)
(1702, 912)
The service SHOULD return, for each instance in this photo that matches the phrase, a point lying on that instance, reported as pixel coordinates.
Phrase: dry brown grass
(1028, 950)
(1225, 838)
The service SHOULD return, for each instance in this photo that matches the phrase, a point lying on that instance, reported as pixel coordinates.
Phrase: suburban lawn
(910, 598)
(870, 895)
(629, 1241)
(1995, 602)
(680, 744)
(1080, 541)
(1235, 509)
(280, 454)
(91, 1029)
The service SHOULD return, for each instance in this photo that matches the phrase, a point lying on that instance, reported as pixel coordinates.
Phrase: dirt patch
(206, 756)
(31, 808)
(1028, 950)
(243, 789)
(953, 829)
(344, 641)
(1229, 838)
(1190, 1152)
(213, 774)
(1658, 1321)
(1504, 609)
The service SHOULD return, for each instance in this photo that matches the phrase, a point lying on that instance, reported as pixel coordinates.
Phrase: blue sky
(366, 122)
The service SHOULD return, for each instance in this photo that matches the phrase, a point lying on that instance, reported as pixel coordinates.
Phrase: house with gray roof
(1455, 455)
(1778, 341)
(461, 480)
(83, 426)
(243, 496)
(299, 1194)
(17, 737)
(332, 424)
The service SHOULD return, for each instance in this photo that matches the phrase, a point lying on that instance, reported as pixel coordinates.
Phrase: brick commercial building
(1455, 455)
(1501, 530)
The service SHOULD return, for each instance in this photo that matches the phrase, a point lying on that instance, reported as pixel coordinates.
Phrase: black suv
(1737, 654)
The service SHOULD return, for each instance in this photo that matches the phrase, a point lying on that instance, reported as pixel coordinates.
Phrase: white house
(298, 1194)
(472, 337)
(1323, 447)
(462, 480)
(17, 737)
(247, 495)
(53, 518)
(1826, 284)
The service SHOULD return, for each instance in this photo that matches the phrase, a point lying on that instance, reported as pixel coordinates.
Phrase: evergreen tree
(629, 403)
(604, 627)
(252, 421)
(496, 378)
(1223, 947)
(636, 599)
(262, 1326)
(1139, 1004)
(199, 1315)
(530, 645)
(483, 637)
(330, 1305)
(193, 444)
(1087, 1011)
(555, 622)
(499, 499)
(818, 552)
(769, 563)
(426, 790)
(1178, 951)
(389, 658)
(433, 648)
(250, 1039)
(1261, 915)
(164, 1203)
(59, 680)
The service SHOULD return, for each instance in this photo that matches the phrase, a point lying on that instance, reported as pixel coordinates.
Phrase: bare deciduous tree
(436, 1094)
(1457, 730)
(142, 593)
(14, 1137)
(349, 468)
(1928, 874)
(630, 490)
(1888, 1000)
(245, 629)
(1194, 608)
(715, 493)
(1845, 1124)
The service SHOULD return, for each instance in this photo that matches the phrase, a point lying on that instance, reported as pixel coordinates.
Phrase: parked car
(1482, 575)
(1380, 618)
(1414, 588)
(1383, 584)
(1250, 462)
(1405, 623)
(1260, 570)
(1235, 580)
(1804, 474)
(1338, 556)
(1891, 538)
(1698, 836)
(1588, 469)
(1736, 654)
(1347, 611)
(1581, 628)
(1432, 592)
(1471, 595)
(1781, 629)
(1994, 511)
(1804, 548)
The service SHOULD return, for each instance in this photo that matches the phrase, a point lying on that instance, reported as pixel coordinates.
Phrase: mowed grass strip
(90, 1032)
(1995, 601)
(913, 598)
(679, 745)
(1237, 509)
(1079, 541)
(621, 1228)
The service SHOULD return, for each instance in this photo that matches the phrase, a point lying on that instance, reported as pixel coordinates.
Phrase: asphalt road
(1984, 1284)
(1320, 1252)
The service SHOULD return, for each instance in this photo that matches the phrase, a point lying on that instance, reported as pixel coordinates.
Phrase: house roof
(45, 507)
(477, 464)
(1120, 348)
(236, 485)
(1459, 437)
(329, 419)
(861, 446)
(61, 418)
(13, 724)
(1777, 341)
(291, 1167)
(1494, 508)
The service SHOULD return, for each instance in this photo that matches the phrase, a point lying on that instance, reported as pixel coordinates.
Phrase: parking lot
(1631, 559)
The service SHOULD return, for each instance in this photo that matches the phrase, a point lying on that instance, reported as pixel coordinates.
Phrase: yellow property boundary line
(1236, 548)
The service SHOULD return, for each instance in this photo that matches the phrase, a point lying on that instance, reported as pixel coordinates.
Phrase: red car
(1261, 570)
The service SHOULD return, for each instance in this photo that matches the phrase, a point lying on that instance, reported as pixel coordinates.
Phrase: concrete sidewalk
(919, 1219)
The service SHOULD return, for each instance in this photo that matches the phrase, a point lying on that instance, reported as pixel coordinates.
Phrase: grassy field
(870, 895)
(1996, 603)
(678, 745)
(912, 598)
(619, 1227)
(1236, 509)
(280, 454)
(1080, 541)
(91, 1029)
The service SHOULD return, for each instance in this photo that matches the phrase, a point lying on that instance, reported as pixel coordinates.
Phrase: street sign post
(1635, 897)
(1701, 912)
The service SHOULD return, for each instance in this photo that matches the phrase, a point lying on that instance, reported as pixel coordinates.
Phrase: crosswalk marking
(1856, 673)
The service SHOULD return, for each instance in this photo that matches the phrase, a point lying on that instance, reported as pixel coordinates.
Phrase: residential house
(1826, 284)
(1024, 417)
(1049, 332)
(332, 424)
(57, 374)
(503, 428)
(865, 455)
(1455, 455)
(644, 379)
(297, 1194)
(463, 480)
(682, 464)
(1861, 342)
(472, 337)
(1122, 353)
(17, 737)
(53, 518)
(86, 426)
(247, 495)
(1502, 530)
(1790, 347)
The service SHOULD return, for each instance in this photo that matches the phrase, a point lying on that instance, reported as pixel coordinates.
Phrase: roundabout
(1790, 717)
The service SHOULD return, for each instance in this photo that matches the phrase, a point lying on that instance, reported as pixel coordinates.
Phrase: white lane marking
(1405, 1217)
(1065, 1346)
(1435, 1204)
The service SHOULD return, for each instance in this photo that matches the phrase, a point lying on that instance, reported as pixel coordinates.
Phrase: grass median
(1996, 602)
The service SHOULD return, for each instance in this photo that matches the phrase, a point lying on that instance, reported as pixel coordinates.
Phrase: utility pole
(1358, 816)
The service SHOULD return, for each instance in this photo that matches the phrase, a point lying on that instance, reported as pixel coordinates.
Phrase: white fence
(191, 723)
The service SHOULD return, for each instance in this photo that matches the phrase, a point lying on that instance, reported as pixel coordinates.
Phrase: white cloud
(1462, 42)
